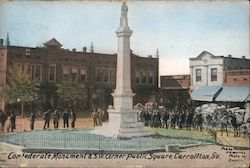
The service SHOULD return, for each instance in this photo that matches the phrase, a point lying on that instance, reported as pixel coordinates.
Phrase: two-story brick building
(51, 64)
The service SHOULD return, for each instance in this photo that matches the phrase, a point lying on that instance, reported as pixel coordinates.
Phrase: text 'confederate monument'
(123, 118)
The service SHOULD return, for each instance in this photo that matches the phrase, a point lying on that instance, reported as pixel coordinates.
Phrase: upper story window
(65, 73)
(214, 74)
(99, 75)
(143, 77)
(150, 77)
(27, 51)
(74, 74)
(33, 71)
(18, 67)
(52, 72)
(28, 69)
(137, 77)
(38, 72)
(83, 75)
(112, 75)
(106, 76)
(198, 75)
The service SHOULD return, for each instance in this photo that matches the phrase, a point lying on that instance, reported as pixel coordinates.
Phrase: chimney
(84, 49)
(243, 57)
(229, 56)
(1, 42)
(74, 50)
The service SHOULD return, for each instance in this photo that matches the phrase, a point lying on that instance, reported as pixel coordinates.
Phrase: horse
(236, 125)
(224, 122)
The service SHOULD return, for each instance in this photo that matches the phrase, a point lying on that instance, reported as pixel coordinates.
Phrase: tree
(20, 86)
(69, 91)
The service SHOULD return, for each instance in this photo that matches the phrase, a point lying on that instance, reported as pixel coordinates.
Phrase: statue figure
(124, 18)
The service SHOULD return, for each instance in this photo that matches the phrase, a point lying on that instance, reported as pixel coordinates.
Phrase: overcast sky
(179, 30)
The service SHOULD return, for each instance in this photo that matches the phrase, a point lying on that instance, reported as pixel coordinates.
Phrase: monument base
(122, 124)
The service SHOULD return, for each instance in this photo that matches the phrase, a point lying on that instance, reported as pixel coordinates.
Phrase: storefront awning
(206, 93)
(234, 94)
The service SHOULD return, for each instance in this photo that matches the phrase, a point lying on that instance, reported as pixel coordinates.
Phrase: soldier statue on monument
(124, 17)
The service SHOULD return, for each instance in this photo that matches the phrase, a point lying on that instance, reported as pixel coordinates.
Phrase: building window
(99, 75)
(143, 77)
(198, 75)
(137, 77)
(23, 68)
(106, 76)
(150, 77)
(18, 67)
(33, 72)
(112, 75)
(38, 72)
(52, 72)
(235, 79)
(27, 51)
(65, 73)
(28, 70)
(214, 74)
(74, 74)
(83, 74)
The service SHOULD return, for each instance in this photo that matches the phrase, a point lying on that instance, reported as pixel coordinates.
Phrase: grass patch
(183, 133)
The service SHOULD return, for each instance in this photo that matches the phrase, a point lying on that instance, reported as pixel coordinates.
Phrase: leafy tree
(69, 91)
(20, 86)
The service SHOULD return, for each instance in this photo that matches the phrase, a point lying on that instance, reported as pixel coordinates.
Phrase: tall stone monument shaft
(122, 117)
(123, 96)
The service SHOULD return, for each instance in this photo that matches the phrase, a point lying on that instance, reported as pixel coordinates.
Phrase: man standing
(56, 118)
(95, 117)
(65, 119)
(199, 121)
(32, 120)
(3, 118)
(46, 117)
(73, 114)
(12, 121)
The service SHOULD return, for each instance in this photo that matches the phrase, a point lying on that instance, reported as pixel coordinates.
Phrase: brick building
(175, 90)
(51, 64)
(240, 77)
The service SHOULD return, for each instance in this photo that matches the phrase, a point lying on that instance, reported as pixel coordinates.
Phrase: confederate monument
(122, 117)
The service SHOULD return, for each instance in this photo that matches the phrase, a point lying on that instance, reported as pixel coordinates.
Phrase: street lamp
(20, 101)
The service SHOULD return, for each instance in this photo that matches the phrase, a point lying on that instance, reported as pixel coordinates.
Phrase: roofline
(175, 75)
(216, 57)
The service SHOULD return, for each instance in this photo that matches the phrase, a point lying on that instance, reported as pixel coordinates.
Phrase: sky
(180, 30)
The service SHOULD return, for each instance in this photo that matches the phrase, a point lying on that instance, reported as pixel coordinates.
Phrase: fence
(84, 140)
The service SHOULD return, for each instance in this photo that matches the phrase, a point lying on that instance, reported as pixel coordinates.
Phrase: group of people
(99, 116)
(67, 114)
(155, 116)
(11, 121)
